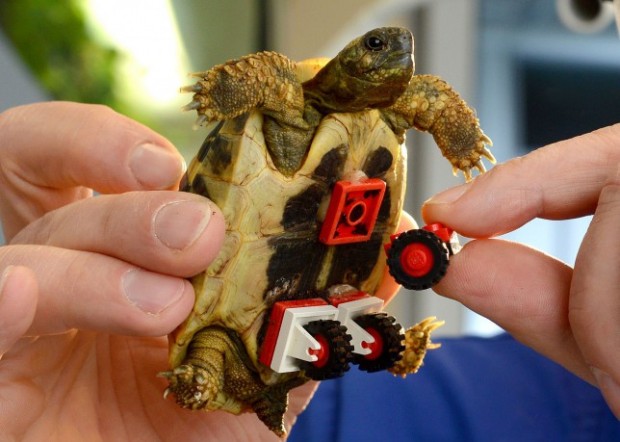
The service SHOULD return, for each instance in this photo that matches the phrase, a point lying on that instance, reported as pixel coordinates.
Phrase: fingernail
(448, 196)
(154, 167)
(609, 387)
(179, 224)
(151, 292)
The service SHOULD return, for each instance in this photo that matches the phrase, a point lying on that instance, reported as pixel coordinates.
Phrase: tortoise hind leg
(199, 379)
(265, 81)
(218, 374)
(430, 104)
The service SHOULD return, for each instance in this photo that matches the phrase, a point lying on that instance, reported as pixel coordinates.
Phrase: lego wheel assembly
(387, 346)
(335, 352)
(418, 259)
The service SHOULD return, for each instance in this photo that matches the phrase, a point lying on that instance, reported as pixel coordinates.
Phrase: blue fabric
(472, 389)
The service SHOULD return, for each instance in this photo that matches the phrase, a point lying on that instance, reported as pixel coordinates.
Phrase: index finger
(559, 181)
(61, 145)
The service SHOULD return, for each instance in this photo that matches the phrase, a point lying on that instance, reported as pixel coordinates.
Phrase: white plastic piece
(348, 311)
(294, 342)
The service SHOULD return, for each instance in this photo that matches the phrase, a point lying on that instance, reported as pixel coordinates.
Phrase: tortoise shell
(273, 221)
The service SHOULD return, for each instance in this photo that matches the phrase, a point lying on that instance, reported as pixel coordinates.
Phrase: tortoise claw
(192, 88)
(471, 157)
(200, 121)
(485, 152)
(190, 385)
(193, 105)
(417, 343)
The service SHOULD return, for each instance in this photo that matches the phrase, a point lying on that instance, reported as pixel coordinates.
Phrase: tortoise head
(372, 71)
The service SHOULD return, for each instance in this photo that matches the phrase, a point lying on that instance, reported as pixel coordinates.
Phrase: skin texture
(570, 315)
(79, 355)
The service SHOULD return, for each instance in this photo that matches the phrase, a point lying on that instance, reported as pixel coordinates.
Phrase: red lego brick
(352, 211)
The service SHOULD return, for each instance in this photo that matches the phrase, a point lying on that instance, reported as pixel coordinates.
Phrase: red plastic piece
(417, 260)
(444, 233)
(275, 322)
(352, 211)
(376, 348)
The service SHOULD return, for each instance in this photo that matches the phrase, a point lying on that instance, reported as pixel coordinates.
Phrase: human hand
(89, 287)
(570, 315)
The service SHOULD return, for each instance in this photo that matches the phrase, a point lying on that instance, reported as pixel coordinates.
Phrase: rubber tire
(438, 249)
(392, 336)
(340, 350)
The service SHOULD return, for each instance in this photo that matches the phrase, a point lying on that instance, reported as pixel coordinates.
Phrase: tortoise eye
(375, 43)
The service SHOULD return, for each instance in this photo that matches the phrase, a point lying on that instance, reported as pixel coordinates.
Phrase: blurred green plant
(53, 40)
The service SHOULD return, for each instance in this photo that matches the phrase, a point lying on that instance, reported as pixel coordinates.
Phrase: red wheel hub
(417, 260)
(322, 353)
(376, 348)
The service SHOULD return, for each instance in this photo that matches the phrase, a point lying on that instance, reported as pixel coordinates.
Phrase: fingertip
(155, 167)
(161, 302)
(444, 207)
(492, 204)
(90, 145)
(169, 319)
(18, 282)
(448, 196)
(18, 301)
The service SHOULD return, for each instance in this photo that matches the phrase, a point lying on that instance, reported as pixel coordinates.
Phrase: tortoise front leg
(430, 104)
(265, 81)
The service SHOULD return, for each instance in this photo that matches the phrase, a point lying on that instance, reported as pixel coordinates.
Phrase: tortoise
(282, 135)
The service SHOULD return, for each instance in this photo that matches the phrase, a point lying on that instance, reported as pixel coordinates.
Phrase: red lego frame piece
(275, 322)
(352, 211)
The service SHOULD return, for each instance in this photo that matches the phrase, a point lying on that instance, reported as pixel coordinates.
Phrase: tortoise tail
(272, 403)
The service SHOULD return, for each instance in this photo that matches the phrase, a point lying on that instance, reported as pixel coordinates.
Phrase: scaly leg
(265, 81)
(217, 374)
(417, 342)
(200, 378)
(431, 105)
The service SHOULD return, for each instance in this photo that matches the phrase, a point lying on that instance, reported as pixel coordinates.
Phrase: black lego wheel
(388, 345)
(335, 353)
(418, 259)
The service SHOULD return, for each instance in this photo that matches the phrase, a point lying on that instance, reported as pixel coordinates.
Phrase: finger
(18, 302)
(50, 148)
(96, 292)
(594, 300)
(68, 144)
(559, 181)
(388, 288)
(176, 233)
(520, 289)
